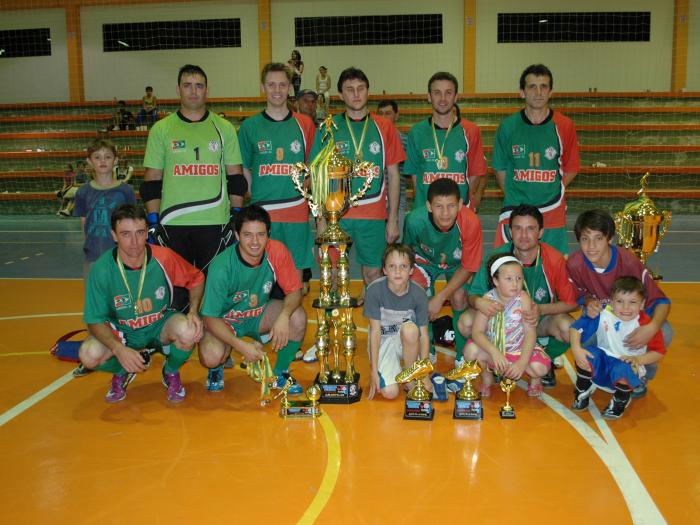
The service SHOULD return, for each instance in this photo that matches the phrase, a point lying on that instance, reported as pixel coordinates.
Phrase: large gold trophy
(329, 195)
(641, 225)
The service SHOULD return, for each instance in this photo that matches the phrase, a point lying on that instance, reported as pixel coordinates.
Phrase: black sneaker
(549, 380)
(615, 409)
(582, 399)
(81, 371)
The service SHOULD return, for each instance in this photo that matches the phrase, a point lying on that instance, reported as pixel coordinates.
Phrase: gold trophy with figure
(419, 403)
(468, 404)
(507, 410)
(641, 225)
(299, 408)
(329, 194)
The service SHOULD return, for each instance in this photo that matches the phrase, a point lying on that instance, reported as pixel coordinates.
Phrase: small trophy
(507, 411)
(418, 400)
(641, 225)
(468, 403)
(261, 372)
(331, 176)
(299, 408)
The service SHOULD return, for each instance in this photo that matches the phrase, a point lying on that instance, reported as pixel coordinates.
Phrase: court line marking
(330, 476)
(37, 316)
(35, 398)
(22, 354)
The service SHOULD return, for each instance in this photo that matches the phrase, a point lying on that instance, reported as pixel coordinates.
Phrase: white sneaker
(559, 361)
(459, 362)
(433, 358)
(310, 355)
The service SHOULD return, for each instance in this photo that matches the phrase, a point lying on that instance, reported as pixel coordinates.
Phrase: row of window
(344, 31)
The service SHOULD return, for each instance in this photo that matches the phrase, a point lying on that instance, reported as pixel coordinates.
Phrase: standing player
(237, 301)
(128, 307)
(445, 146)
(193, 175)
(365, 137)
(271, 143)
(389, 109)
(447, 239)
(535, 155)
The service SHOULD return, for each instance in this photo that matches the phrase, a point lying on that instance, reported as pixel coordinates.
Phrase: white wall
(125, 74)
(609, 66)
(693, 78)
(394, 69)
(36, 79)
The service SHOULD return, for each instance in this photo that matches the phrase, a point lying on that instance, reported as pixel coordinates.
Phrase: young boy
(595, 267)
(96, 200)
(148, 113)
(610, 364)
(397, 309)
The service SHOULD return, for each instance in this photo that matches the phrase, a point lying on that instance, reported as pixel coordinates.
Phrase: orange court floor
(69, 457)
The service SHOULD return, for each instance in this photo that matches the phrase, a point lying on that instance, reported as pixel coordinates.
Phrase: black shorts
(198, 245)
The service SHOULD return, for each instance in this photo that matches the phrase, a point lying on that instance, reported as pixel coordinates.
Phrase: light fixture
(122, 43)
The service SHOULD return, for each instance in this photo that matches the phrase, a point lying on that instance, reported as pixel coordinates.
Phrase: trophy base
(340, 393)
(468, 409)
(300, 410)
(507, 414)
(419, 410)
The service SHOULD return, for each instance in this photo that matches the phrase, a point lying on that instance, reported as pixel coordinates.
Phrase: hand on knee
(390, 391)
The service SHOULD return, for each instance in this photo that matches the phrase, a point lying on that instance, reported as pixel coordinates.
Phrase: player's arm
(195, 294)
(579, 352)
(394, 187)
(482, 341)
(568, 177)
(374, 333)
(642, 335)
(237, 184)
(151, 189)
(515, 370)
(219, 329)
(477, 186)
(424, 342)
(129, 358)
(279, 333)
(501, 179)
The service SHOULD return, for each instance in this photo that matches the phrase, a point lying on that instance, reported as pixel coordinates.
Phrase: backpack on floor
(66, 350)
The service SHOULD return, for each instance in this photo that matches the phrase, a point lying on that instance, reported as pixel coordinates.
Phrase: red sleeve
(179, 271)
(393, 149)
(470, 230)
(308, 130)
(570, 161)
(555, 270)
(656, 344)
(476, 161)
(282, 264)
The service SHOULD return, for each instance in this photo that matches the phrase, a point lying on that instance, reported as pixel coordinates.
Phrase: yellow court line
(20, 354)
(330, 476)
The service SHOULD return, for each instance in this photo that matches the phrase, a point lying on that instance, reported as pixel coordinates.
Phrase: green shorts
(556, 237)
(146, 337)
(369, 239)
(426, 275)
(299, 240)
(247, 327)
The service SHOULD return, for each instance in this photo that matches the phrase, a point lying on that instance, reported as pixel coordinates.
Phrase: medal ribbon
(358, 147)
(444, 141)
(142, 278)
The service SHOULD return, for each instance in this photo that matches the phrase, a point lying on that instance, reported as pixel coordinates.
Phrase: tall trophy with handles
(641, 225)
(329, 194)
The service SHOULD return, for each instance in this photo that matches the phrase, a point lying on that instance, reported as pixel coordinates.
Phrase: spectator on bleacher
(71, 182)
(323, 86)
(297, 66)
(123, 171)
(148, 113)
(321, 109)
(123, 119)
(389, 109)
(446, 146)
(535, 155)
(306, 103)
(193, 176)
(68, 180)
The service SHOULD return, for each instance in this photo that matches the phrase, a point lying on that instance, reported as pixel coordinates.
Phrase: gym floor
(71, 458)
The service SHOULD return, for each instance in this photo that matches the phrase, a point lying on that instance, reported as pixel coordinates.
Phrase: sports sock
(176, 358)
(460, 341)
(583, 379)
(622, 392)
(112, 365)
(285, 357)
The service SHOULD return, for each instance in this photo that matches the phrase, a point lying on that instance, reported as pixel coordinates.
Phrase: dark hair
(596, 220)
(443, 75)
(121, 103)
(385, 103)
(526, 210)
(539, 70)
(298, 55)
(628, 284)
(401, 249)
(253, 213)
(443, 188)
(191, 69)
(98, 144)
(489, 264)
(127, 211)
(150, 88)
(351, 73)
(276, 67)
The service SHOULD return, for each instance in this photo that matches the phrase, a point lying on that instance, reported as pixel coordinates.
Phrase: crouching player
(237, 301)
(610, 364)
(128, 307)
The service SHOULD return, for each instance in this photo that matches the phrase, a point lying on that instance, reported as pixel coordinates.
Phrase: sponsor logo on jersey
(213, 146)
(459, 155)
(429, 154)
(239, 296)
(122, 301)
(160, 292)
(375, 148)
(540, 294)
(343, 146)
(459, 178)
(518, 151)
(427, 250)
(196, 170)
(177, 145)
(535, 175)
(550, 153)
(295, 146)
(274, 169)
(375, 170)
(140, 322)
(237, 316)
(267, 286)
(264, 146)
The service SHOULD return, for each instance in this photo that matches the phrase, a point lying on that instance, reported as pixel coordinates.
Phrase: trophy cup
(418, 400)
(299, 408)
(507, 411)
(641, 225)
(331, 175)
(468, 403)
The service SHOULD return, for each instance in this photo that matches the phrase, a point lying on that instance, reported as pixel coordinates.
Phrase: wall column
(74, 46)
(264, 33)
(679, 65)
(469, 51)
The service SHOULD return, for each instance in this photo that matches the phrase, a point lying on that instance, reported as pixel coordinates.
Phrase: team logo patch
(457, 254)
(550, 153)
(160, 292)
(295, 146)
(426, 249)
(518, 151)
(264, 146)
(122, 301)
(459, 155)
(540, 293)
(267, 286)
(375, 147)
(253, 301)
(343, 146)
(177, 145)
(279, 154)
(429, 154)
(213, 146)
(239, 296)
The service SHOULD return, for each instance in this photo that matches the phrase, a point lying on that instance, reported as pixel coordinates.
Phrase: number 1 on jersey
(196, 153)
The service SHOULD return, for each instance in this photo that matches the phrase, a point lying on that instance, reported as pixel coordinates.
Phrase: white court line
(35, 398)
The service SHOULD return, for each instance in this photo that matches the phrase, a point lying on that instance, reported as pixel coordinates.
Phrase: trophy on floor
(299, 408)
(641, 225)
(419, 403)
(507, 411)
(329, 194)
(468, 403)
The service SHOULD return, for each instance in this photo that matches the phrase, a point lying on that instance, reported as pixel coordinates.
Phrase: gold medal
(279, 154)
(358, 157)
(441, 161)
(142, 277)
(358, 147)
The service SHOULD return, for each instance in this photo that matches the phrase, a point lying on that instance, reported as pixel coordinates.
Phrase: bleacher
(621, 137)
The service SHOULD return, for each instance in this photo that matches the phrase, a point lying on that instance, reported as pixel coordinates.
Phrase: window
(25, 42)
